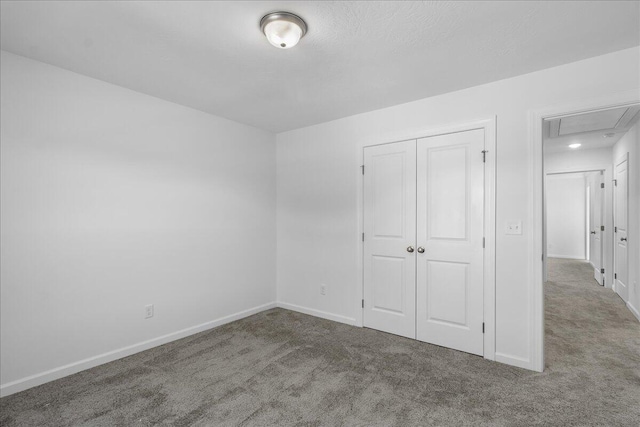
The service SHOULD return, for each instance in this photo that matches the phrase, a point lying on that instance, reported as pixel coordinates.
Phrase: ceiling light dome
(283, 29)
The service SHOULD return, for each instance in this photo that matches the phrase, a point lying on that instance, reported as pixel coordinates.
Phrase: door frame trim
(537, 256)
(488, 124)
(607, 215)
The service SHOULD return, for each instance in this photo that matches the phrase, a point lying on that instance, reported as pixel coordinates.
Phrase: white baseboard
(317, 313)
(499, 357)
(633, 310)
(81, 365)
(520, 362)
(566, 257)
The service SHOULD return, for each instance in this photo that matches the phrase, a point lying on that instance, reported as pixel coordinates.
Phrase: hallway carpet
(280, 368)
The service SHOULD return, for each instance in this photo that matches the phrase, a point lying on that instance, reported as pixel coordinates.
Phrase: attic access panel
(618, 119)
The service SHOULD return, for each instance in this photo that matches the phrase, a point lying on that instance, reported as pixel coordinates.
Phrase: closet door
(450, 210)
(389, 240)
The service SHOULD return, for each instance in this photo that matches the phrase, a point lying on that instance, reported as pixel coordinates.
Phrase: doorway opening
(576, 217)
(587, 196)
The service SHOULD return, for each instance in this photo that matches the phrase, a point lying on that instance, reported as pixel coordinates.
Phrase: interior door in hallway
(597, 205)
(389, 238)
(450, 212)
(621, 200)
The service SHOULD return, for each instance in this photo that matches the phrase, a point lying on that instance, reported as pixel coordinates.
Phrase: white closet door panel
(390, 227)
(450, 209)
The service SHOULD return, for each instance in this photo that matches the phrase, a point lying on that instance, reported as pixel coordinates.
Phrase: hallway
(592, 338)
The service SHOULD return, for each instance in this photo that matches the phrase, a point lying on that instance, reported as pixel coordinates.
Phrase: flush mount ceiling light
(283, 29)
(574, 145)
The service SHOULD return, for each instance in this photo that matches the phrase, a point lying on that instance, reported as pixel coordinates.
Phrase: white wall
(593, 159)
(578, 159)
(566, 216)
(630, 143)
(112, 200)
(318, 181)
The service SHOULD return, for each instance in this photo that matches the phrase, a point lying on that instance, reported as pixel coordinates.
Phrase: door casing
(535, 360)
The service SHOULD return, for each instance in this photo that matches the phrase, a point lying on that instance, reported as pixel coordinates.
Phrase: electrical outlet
(323, 289)
(148, 311)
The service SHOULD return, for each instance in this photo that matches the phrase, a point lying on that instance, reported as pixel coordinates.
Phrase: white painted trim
(633, 310)
(568, 257)
(599, 168)
(318, 313)
(489, 126)
(359, 293)
(490, 129)
(535, 236)
(607, 240)
(81, 365)
(513, 360)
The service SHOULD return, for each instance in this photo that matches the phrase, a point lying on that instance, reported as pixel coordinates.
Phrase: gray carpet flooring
(288, 369)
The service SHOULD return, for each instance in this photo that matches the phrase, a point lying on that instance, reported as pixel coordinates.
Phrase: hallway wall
(630, 143)
(566, 216)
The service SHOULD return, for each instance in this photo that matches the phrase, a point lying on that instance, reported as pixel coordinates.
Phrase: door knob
(623, 239)
(593, 232)
(410, 249)
(421, 250)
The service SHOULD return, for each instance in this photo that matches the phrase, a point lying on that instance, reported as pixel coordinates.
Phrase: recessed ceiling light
(574, 145)
(609, 135)
(283, 29)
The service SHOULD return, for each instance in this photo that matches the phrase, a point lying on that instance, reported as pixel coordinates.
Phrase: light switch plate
(514, 227)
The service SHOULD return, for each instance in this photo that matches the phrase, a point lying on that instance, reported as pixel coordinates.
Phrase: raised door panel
(447, 293)
(447, 192)
(389, 292)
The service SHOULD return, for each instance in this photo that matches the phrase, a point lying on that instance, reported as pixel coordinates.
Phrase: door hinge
(362, 167)
(615, 182)
(602, 228)
(483, 327)
(602, 185)
(602, 270)
(362, 303)
(615, 275)
(484, 156)
(542, 257)
(483, 243)
(615, 229)
(363, 237)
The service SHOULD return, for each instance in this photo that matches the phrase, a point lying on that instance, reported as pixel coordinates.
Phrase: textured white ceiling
(357, 56)
(591, 129)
